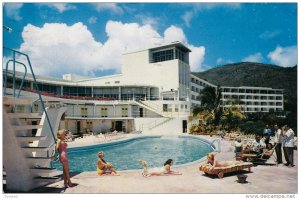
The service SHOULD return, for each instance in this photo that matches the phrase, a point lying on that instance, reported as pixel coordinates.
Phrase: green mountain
(255, 74)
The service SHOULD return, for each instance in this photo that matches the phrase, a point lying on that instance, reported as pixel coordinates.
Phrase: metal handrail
(34, 82)
(5, 81)
(218, 148)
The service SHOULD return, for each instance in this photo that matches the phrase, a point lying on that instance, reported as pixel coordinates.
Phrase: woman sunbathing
(166, 169)
(214, 163)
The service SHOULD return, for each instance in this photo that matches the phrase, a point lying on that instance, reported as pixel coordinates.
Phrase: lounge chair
(220, 171)
(258, 158)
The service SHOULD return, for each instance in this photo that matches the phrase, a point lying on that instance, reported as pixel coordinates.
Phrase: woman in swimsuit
(166, 169)
(103, 166)
(61, 146)
(214, 163)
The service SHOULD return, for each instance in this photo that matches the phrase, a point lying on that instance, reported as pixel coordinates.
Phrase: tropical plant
(210, 109)
(231, 118)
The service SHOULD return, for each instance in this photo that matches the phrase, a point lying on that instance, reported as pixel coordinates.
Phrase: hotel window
(124, 112)
(193, 88)
(89, 125)
(181, 106)
(271, 92)
(117, 82)
(176, 107)
(163, 55)
(278, 98)
(35, 107)
(83, 112)
(165, 107)
(20, 108)
(103, 112)
(278, 104)
(170, 108)
(107, 82)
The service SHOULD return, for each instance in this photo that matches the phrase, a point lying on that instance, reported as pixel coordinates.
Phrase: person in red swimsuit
(61, 146)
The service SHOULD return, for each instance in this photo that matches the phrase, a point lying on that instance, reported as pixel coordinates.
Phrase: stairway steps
(45, 171)
(31, 138)
(47, 178)
(17, 101)
(26, 127)
(43, 168)
(38, 160)
(25, 115)
(35, 149)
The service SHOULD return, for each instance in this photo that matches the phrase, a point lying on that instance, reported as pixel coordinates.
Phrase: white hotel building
(155, 93)
(250, 99)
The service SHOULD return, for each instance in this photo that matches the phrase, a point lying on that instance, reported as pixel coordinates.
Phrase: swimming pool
(125, 155)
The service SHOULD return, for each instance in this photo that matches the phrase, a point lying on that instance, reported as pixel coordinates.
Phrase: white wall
(139, 71)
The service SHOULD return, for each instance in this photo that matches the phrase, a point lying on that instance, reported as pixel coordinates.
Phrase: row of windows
(180, 55)
(252, 97)
(260, 109)
(256, 103)
(235, 90)
(196, 81)
(196, 89)
(163, 55)
(103, 111)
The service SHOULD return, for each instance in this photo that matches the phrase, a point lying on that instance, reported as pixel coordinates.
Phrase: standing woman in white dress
(166, 169)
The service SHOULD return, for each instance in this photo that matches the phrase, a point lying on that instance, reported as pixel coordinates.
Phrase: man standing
(278, 140)
(288, 146)
(267, 134)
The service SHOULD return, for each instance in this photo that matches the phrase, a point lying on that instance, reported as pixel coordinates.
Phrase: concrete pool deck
(267, 179)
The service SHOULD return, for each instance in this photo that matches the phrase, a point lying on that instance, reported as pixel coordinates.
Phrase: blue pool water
(126, 155)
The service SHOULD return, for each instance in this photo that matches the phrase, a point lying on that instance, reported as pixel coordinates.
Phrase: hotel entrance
(119, 125)
(141, 112)
(184, 126)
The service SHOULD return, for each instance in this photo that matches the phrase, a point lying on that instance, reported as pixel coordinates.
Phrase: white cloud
(153, 21)
(195, 8)
(56, 49)
(108, 6)
(221, 61)
(257, 57)
(12, 10)
(92, 20)
(174, 33)
(60, 7)
(269, 34)
(284, 56)
(187, 17)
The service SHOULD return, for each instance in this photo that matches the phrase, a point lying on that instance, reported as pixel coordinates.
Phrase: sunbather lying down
(214, 163)
(165, 170)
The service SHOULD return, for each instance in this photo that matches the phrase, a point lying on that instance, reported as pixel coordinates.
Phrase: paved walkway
(263, 179)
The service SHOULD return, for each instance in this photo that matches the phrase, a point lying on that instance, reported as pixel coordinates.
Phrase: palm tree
(231, 117)
(210, 108)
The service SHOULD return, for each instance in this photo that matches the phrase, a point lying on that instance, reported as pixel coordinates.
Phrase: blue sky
(89, 38)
